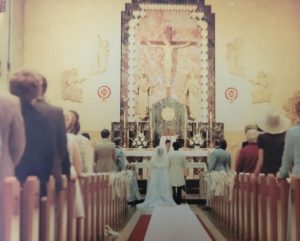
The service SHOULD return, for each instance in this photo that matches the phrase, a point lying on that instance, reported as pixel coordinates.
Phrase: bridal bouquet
(196, 140)
(140, 141)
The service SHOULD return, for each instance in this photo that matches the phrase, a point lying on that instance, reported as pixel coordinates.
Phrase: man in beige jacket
(105, 154)
(12, 135)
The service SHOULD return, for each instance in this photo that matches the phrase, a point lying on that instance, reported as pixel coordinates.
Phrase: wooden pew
(253, 209)
(47, 213)
(61, 209)
(236, 209)
(30, 210)
(85, 183)
(93, 208)
(10, 210)
(283, 204)
(247, 207)
(272, 206)
(241, 204)
(262, 205)
(103, 180)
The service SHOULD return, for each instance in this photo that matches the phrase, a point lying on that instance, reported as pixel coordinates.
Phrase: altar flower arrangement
(196, 140)
(140, 140)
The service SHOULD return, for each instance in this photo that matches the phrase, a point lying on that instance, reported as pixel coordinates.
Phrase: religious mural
(263, 88)
(289, 107)
(234, 55)
(71, 88)
(101, 57)
(167, 46)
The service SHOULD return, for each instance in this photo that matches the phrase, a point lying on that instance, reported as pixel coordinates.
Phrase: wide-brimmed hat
(273, 122)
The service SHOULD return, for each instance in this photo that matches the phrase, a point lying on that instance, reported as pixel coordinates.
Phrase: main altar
(168, 80)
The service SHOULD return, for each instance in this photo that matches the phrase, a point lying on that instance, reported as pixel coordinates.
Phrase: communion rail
(27, 217)
(260, 209)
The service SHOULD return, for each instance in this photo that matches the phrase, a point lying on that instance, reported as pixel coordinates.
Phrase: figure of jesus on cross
(168, 45)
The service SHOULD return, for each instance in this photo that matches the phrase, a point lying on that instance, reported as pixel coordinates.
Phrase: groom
(177, 165)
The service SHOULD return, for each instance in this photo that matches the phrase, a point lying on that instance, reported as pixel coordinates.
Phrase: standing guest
(89, 153)
(219, 159)
(291, 159)
(247, 158)
(177, 165)
(84, 146)
(122, 164)
(38, 157)
(76, 168)
(271, 142)
(121, 158)
(56, 118)
(248, 127)
(244, 143)
(12, 136)
(105, 154)
(291, 153)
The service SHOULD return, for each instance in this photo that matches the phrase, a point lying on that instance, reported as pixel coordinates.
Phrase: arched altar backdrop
(168, 72)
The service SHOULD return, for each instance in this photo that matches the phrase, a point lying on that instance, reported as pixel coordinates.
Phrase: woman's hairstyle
(70, 121)
(222, 143)
(297, 107)
(167, 141)
(24, 84)
(118, 141)
(76, 127)
(105, 133)
(251, 135)
(249, 127)
(87, 135)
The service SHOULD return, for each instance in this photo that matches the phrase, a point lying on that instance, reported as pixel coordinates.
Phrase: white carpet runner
(177, 223)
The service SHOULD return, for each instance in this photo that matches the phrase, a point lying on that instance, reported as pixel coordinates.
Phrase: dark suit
(38, 157)
(61, 163)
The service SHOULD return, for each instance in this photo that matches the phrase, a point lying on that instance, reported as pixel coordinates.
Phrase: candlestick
(210, 129)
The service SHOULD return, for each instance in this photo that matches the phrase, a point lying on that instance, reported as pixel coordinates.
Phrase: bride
(159, 188)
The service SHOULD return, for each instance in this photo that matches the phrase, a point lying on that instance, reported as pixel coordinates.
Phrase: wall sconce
(2, 6)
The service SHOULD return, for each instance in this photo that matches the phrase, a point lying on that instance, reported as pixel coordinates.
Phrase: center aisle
(175, 224)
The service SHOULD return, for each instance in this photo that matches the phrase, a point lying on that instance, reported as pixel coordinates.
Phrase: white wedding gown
(159, 189)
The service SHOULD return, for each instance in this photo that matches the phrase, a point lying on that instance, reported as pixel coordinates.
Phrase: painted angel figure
(192, 93)
(71, 85)
(144, 89)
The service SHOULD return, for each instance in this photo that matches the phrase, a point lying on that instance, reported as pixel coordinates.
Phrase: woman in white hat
(271, 142)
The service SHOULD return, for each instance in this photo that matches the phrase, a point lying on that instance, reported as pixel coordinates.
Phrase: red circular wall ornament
(231, 94)
(104, 92)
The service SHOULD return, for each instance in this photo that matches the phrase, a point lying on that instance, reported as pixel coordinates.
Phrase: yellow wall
(63, 34)
(17, 43)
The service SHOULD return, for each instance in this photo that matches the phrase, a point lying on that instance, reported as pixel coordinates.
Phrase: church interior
(190, 71)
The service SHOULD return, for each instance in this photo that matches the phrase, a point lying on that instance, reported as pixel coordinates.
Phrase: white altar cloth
(175, 224)
(133, 152)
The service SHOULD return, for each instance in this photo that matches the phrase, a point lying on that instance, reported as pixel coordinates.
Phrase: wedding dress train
(159, 189)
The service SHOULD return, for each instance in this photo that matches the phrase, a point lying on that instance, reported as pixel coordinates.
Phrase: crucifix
(168, 45)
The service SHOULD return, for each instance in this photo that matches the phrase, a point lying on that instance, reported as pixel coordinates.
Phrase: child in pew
(122, 164)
